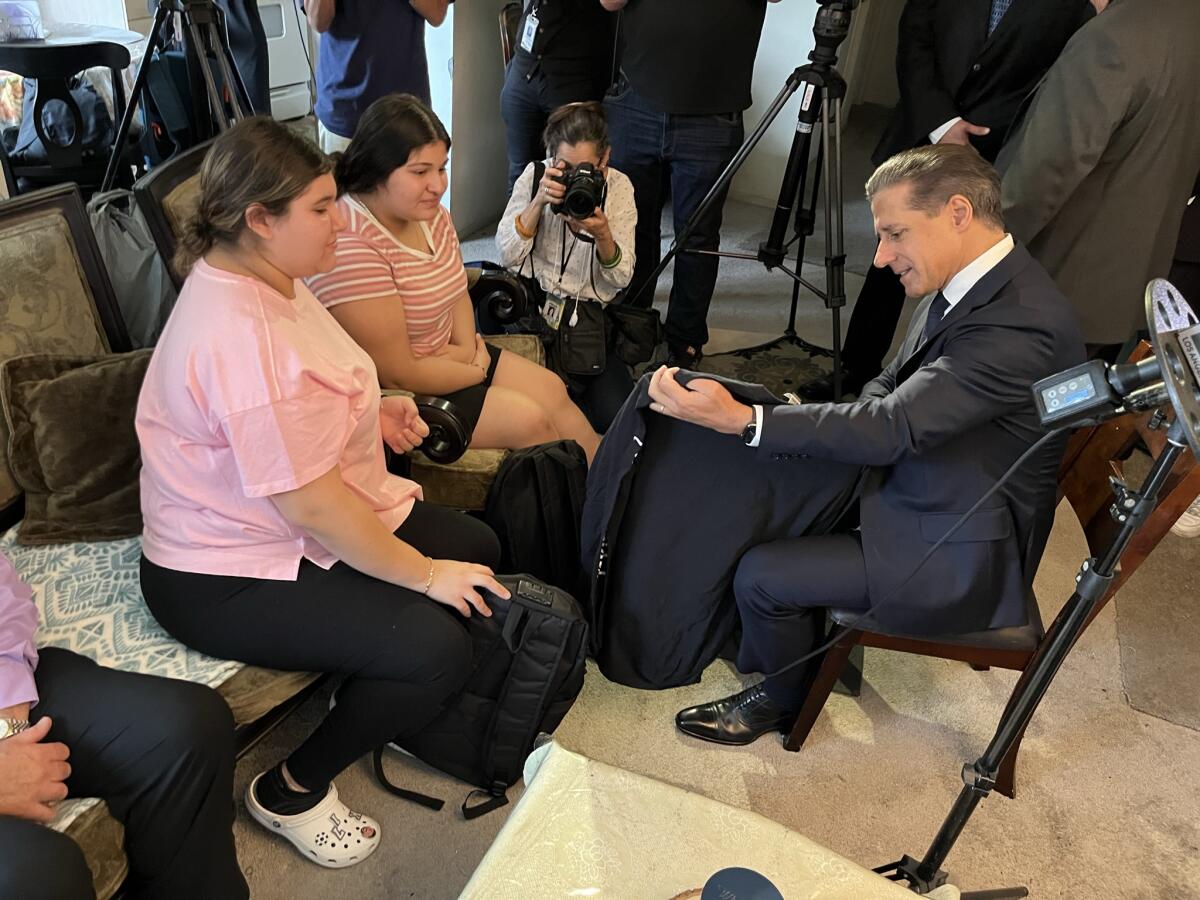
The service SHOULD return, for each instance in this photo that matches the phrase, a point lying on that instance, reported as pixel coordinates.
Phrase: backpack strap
(496, 798)
(412, 796)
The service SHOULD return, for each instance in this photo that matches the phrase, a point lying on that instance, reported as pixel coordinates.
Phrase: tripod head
(829, 30)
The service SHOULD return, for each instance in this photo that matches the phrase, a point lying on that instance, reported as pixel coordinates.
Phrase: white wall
(466, 74)
(786, 42)
(84, 12)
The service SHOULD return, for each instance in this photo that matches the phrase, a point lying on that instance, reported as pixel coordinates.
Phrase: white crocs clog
(330, 834)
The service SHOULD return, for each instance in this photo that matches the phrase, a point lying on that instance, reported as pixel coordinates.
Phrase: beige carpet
(1108, 798)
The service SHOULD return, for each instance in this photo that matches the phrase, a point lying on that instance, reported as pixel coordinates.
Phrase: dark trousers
(402, 654)
(685, 154)
(600, 397)
(526, 101)
(783, 589)
(160, 754)
(873, 323)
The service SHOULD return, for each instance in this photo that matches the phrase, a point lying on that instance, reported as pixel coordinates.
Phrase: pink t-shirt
(372, 263)
(250, 394)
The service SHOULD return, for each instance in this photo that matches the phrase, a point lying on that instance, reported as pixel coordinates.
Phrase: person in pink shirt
(400, 290)
(274, 533)
(158, 751)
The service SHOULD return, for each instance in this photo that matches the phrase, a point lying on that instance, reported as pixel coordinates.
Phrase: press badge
(552, 312)
(530, 32)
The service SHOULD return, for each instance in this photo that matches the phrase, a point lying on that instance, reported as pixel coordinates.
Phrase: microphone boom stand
(1170, 379)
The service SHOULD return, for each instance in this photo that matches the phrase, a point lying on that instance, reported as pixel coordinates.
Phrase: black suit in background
(936, 430)
(948, 65)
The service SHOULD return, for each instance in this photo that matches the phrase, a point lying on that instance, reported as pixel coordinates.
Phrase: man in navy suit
(929, 436)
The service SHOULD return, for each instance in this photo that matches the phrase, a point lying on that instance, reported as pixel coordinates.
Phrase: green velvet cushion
(72, 445)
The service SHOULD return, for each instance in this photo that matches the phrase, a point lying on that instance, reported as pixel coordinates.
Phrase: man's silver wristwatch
(10, 726)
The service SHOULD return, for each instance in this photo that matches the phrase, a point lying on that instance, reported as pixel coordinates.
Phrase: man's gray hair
(936, 173)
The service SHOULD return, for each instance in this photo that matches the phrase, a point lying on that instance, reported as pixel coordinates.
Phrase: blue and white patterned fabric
(89, 601)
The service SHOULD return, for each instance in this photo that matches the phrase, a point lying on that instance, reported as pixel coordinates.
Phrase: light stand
(1088, 394)
(204, 37)
(821, 100)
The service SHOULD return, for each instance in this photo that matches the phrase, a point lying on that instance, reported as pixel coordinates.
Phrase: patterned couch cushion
(45, 303)
(89, 601)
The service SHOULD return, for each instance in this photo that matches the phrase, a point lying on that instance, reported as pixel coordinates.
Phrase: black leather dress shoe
(740, 719)
(820, 390)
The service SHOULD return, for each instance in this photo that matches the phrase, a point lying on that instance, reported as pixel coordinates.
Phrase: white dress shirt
(956, 288)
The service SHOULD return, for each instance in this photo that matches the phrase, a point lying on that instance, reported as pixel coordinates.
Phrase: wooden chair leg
(851, 680)
(832, 664)
(1006, 778)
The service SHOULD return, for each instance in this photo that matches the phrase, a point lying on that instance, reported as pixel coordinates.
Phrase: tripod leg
(835, 257)
(153, 43)
(230, 76)
(239, 97)
(201, 49)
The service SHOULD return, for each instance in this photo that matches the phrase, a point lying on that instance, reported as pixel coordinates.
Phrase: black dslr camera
(585, 191)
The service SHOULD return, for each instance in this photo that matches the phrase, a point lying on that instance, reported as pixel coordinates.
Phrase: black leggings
(402, 654)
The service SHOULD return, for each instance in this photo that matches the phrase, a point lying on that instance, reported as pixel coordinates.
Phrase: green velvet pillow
(72, 446)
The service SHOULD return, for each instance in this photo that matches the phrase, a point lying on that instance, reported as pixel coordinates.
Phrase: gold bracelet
(527, 235)
(428, 578)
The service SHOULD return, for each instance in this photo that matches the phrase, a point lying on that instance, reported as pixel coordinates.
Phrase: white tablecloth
(589, 830)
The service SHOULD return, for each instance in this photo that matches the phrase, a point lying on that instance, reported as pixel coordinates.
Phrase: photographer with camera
(570, 224)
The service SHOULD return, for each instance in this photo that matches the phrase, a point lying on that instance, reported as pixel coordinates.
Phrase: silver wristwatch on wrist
(10, 726)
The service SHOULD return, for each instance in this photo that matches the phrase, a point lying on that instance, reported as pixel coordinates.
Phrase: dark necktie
(999, 8)
(937, 309)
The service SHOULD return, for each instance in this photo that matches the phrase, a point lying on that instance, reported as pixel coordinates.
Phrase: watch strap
(10, 726)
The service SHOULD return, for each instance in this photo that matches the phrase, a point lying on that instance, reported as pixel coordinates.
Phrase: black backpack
(535, 505)
(528, 670)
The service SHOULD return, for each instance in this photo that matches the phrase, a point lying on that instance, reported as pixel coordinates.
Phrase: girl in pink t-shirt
(274, 534)
(400, 290)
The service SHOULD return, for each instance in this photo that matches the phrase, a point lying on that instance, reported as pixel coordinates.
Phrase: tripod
(820, 101)
(1171, 378)
(205, 40)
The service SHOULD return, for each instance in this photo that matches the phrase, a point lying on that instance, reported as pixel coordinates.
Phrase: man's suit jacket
(948, 65)
(1097, 177)
(937, 428)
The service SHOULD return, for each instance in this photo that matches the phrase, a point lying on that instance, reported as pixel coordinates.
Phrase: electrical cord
(302, 26)
(891, 595)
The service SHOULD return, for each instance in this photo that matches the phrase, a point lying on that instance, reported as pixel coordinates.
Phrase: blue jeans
(684, 153)
(525, 104)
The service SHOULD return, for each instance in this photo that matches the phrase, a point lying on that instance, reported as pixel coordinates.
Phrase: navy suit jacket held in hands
(937, 428)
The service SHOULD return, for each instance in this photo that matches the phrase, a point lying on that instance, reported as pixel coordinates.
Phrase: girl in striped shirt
(400, 290)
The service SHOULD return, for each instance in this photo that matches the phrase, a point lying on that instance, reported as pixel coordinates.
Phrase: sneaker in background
(1188, 525)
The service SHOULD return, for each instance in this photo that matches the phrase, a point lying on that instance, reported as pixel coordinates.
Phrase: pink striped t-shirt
(372, 263)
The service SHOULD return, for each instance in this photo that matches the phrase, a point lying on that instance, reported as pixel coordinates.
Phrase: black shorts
(469, 400)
